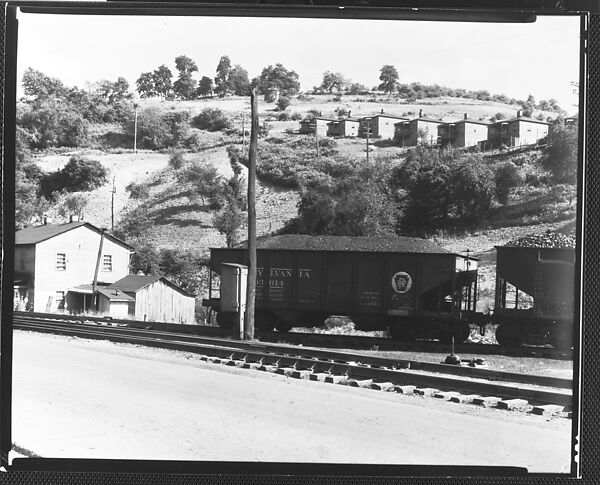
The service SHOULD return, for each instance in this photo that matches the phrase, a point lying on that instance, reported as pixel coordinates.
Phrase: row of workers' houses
(517, 131)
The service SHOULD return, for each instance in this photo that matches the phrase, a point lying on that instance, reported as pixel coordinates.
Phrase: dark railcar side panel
(370, 291)
(436, 282)
(338, 282)
(309, 288)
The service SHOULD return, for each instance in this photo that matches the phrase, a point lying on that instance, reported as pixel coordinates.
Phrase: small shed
(156, 299)
(115, 303)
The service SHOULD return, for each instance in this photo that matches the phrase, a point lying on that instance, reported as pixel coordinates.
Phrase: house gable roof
(133, 283)
(37, 234)
(521, 118)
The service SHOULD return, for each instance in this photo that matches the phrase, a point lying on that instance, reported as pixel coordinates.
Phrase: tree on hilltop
(279, 78)
(205, 86)
(333, 81)
(389, 78)
(222, 86)
(185, 86)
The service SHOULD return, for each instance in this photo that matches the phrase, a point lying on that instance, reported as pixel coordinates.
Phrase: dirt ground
(145, 403)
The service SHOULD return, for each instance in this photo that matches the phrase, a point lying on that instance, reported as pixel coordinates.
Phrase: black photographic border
(585, 412)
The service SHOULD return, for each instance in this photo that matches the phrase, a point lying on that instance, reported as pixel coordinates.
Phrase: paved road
(88, 399)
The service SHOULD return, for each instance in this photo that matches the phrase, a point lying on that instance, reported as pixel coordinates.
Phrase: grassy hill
(177, 220)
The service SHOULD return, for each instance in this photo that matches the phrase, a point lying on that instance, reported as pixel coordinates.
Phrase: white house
(52, 260)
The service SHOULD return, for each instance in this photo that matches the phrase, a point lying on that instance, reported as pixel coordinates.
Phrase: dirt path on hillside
(125, 168)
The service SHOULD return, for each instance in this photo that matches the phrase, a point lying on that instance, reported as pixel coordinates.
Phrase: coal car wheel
(283, 327)
(508, 336)
(562, 341)
(459, 331)
(401, 334)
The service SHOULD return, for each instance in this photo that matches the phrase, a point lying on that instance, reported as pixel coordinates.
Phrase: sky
(540, 58)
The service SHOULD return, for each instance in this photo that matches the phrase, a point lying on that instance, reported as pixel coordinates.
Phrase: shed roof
(391, 244)
(115, 295)
(133, 283)
(37, 234)
(385, 115)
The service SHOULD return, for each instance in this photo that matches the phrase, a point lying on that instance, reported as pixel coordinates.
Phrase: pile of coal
(544, 240)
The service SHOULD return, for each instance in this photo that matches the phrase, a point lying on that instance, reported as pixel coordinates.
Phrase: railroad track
(324, 340)
(536, 394)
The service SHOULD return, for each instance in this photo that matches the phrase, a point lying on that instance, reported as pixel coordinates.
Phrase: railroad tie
(446, 396)
(318, 376)
(511, 404)
(408, 390)
(382, 386)
(547, 409)
(487, 401)
(336, 379)
(425, 391)
(464, 398)
(360, 382)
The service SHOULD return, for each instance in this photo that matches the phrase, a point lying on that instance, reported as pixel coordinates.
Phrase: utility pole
(251, 286)
(95, 282)
(112, 204)
(368, 120)
(135, 106)
(243, 132)
(317, 138)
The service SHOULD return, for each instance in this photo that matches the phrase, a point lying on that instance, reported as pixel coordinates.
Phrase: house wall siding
(80, 246)
(470, 134)
(159, 302)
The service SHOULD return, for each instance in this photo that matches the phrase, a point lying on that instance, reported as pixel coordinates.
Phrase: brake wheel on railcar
(509, 335)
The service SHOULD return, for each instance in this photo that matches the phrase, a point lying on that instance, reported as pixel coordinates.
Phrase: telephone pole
(135, 106)
(251, 286)
(368, 120)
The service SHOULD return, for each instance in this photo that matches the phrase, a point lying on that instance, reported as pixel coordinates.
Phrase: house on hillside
(463, 133)
(517, 131)
(51, 260)
(318, 125)
(418, 131)
(344, 127)
(381, 126)
(150, 298)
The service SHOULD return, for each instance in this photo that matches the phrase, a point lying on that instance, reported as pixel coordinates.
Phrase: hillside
(178, 221)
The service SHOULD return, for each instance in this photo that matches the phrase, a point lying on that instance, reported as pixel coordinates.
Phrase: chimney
(47, 220)
(381, 110)
(420, 113)
(519, 113)
(466, 116)
(74, 218)
(349, 113)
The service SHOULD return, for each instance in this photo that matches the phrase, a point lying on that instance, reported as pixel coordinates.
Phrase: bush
(78, 175)
(138, 191)
(211, 119)
(296, 116)
(560, 153)
(283, 116)
(283, 102)
(176, 160)
(507, 177)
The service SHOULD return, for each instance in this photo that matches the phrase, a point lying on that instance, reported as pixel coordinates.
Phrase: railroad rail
(323, 340)
(538, 394)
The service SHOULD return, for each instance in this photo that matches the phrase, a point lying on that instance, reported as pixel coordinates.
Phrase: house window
(60, 300)
(61, 261)
(107, 262)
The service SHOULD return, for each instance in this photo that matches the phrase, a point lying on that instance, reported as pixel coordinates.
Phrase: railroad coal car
(411, 286)
(535, 295)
